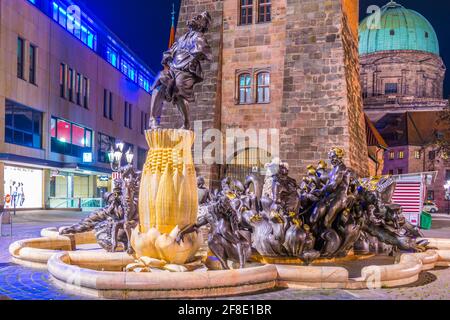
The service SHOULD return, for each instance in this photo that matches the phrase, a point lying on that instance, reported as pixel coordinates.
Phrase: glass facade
(70, 139)
(23, 125)
(71, 21)
(69, 16)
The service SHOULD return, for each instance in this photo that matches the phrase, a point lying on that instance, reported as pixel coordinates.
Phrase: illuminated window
(263, 87)
(63, 131)
(128, 70)
(112, 57)
(264, 10)
(144, 83)
(246, 12)
(69, 138)
(80, 30)
(391, 155)
(23, 125)
(401, 155)
(245, 88)
(78, 136)
(417, 154)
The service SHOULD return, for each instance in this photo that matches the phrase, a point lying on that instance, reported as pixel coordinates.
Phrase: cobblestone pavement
(20, 283)
(17, 282)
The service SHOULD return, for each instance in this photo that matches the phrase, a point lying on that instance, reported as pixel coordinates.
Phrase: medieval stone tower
(291, 65)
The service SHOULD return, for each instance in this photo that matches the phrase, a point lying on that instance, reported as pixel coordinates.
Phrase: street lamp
(115, 156)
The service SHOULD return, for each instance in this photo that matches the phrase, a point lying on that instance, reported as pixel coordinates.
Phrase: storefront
(23, 187)
(77, 190)
(31, 187)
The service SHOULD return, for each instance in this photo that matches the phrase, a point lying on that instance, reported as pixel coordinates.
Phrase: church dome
(398, 29)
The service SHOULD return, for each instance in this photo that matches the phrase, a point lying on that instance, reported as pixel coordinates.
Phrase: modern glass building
(69, 91)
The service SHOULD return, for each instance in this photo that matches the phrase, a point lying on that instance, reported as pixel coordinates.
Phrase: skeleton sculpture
(182, 71)
(114, 223)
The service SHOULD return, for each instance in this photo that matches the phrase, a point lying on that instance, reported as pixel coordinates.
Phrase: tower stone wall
(310, 49)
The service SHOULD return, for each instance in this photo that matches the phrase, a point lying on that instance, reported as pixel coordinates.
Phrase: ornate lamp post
(115, 156)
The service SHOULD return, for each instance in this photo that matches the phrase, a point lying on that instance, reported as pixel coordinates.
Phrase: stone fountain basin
(77, 264)
(36, 252)
(98, 274)
(80, 272)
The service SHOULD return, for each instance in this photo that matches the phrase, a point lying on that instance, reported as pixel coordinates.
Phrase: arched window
(246, 11)
(264, 10)
(245, 88)
(263, 87)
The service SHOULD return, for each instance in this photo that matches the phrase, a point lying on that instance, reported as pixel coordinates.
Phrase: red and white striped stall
(410, 193)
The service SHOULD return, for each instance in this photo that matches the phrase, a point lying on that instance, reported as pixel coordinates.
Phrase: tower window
(263, 87)
(392, 32)
(427, 35)
(245, 88)
(264, 10)
(246, 12)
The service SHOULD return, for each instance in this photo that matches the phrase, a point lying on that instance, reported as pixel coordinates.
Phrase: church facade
(402, 78)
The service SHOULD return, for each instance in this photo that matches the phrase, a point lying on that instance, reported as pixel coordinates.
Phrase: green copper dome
(398, 29)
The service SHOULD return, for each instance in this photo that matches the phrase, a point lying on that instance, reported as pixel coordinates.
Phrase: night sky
(145, 24)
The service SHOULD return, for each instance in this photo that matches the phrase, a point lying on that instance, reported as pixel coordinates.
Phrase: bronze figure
(182, 63)
(114, 223)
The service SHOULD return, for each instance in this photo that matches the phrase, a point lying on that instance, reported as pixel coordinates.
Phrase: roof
(397, 28)
(410, 128)
(374, 138)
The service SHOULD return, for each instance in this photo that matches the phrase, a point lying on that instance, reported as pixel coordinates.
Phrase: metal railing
(75, 203)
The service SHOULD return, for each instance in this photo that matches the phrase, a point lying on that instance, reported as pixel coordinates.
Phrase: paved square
(20, 283)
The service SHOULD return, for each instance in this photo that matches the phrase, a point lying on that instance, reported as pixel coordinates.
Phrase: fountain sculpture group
(157, 214)
(272, 229)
